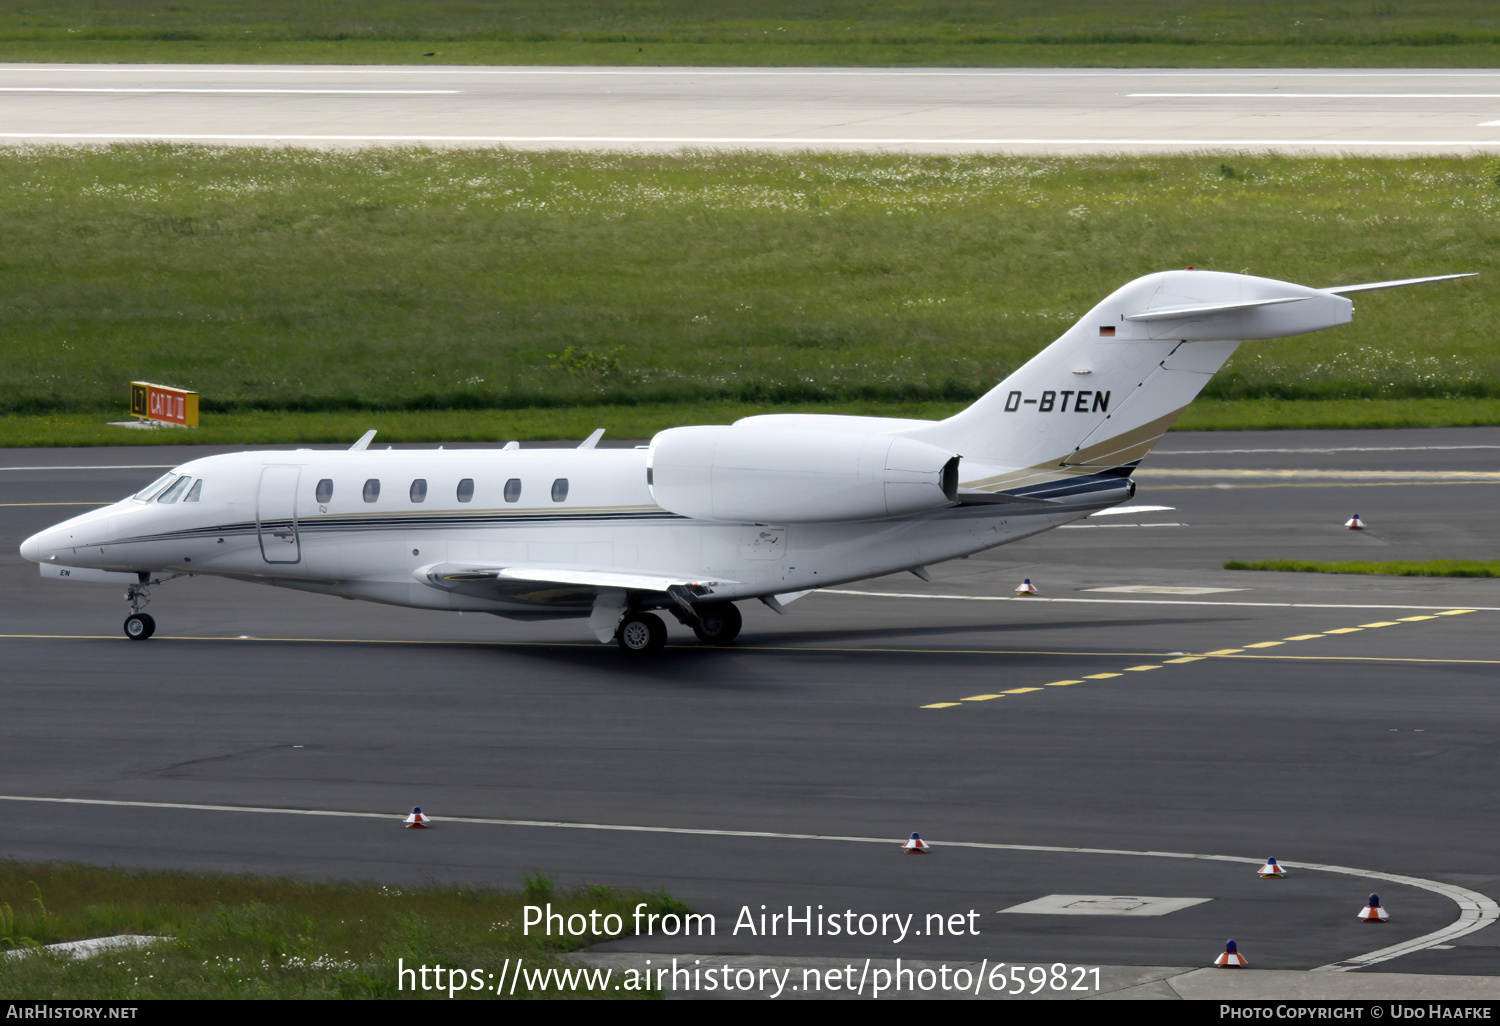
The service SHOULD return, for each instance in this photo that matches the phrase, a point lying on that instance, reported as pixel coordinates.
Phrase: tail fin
(1102, 395)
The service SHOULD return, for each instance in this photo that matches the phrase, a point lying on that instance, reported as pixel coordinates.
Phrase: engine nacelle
(789, 477)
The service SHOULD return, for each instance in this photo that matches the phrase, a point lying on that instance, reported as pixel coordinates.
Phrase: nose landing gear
(138, 625)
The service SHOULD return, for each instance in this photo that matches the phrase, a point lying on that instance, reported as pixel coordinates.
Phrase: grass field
(1399, 568)
(254, 937)
(1139, 33)
(641, 421)
(490, 282)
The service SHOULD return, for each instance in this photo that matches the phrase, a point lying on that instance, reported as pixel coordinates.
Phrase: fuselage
(769, 507)
(365, 524)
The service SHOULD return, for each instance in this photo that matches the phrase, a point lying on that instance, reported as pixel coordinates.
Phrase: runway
(950, 111)
(1152, 706)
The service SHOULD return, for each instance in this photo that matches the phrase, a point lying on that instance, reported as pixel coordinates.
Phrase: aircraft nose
(31, 548)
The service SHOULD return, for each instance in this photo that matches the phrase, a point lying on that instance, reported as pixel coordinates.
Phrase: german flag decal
(1107, 330)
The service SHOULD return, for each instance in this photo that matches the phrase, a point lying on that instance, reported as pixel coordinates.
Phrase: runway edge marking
(1476, 910)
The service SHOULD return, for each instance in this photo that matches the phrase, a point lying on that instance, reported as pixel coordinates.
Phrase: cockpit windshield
(173, 490)
(145, 494)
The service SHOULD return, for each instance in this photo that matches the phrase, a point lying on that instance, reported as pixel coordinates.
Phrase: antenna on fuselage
(364, 441)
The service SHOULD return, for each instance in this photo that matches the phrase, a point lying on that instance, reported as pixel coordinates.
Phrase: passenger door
(276, 515)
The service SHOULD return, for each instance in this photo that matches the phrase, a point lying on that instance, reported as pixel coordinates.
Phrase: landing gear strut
(138, 625)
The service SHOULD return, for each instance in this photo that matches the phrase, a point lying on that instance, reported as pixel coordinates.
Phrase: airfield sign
(163, 404)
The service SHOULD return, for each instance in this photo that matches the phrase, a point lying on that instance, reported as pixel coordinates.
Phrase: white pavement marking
(1102, 905)
(104, 466)
(1163, 589)
(1434, 476)
(256, 92)
(1351, 448)
(1337, 145)
(1032, 599)
(742, 72)
(1476, 910)
(1326, 96)
(968, 110)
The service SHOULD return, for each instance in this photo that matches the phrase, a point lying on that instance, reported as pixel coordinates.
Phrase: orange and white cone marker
(915, 846)
(1373, 913)
(1231, 959)
(1026, 588)
(417, 821)
(1271, 871)
(1354, 523)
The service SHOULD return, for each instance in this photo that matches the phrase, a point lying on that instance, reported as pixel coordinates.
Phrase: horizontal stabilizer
(1339, 290)
(1173, 313)
(973, 497)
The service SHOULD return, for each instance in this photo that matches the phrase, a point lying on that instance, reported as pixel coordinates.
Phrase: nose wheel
(139, 626)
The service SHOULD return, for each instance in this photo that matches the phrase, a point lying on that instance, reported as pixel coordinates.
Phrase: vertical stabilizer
(1102, 394)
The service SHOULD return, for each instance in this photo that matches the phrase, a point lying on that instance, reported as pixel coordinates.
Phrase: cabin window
(513, 490)
(325, 490)
(372, 489)
(560, 489)
(419, 490)
(466, 490)
(192, 495)
(172, 493)
(155, 486)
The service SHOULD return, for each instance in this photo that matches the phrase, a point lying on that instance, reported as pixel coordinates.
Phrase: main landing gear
(718, 623)
(643, 634)
(138, 625)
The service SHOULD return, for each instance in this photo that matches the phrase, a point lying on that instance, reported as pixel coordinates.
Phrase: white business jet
(769, 508)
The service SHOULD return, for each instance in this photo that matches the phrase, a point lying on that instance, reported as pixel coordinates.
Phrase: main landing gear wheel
(641, 634)
(718, 623)
(139, 626)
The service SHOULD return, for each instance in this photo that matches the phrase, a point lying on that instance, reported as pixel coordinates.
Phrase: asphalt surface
(1371, 749)
(1023, 111)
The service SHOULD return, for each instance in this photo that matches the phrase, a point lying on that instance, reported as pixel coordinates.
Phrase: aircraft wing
(515, 581)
